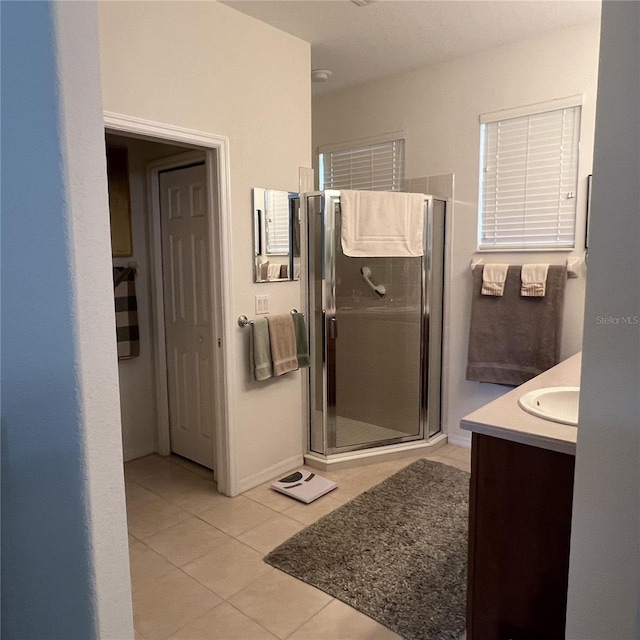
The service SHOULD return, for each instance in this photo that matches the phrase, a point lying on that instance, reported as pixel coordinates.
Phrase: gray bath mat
(397, 552)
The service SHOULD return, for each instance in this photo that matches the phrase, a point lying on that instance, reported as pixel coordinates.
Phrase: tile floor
(196, 556)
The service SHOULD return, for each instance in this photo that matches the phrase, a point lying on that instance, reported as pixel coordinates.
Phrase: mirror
(276, 235)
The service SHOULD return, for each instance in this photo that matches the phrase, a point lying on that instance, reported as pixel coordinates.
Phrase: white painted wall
(604, 572)
(137, 375)
(438, 109)
(204, 66)
(65, 564)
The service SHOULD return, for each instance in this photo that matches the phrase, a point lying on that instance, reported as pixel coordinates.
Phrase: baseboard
(461, 441)
(373, 455)
(270, 473)
(137, 452)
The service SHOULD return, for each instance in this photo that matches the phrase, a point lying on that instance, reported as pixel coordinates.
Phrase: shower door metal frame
(330, 203)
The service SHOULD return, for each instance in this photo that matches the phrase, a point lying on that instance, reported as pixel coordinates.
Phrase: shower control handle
(379, 289)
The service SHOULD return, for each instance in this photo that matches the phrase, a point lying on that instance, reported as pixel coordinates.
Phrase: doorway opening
(173, 396)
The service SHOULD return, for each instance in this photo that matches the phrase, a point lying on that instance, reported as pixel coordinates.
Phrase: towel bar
(573, 265)
(243, 321)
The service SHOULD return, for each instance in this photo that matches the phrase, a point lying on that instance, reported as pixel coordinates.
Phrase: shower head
(378, 289)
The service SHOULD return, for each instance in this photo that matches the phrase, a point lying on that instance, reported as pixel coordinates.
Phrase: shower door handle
(333, 328)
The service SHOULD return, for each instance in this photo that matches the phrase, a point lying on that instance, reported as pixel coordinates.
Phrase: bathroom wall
(137, 375)
(438, 110)
(65, 563)
(604, 569)
(204, 66)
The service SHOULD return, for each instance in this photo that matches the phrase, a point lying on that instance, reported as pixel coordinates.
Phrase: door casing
(215, 150)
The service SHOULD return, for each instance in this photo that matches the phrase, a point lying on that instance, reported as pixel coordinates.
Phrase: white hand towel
(273, 272)
(382, 223)
(493, 277)
(534, 280)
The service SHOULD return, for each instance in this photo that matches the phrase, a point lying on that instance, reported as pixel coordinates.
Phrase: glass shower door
(377, 340)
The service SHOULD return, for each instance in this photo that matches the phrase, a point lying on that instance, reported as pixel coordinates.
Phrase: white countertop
(503, 418)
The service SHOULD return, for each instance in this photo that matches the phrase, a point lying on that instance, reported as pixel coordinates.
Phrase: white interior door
(187, 310)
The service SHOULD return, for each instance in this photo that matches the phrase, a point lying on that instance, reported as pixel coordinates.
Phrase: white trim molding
(270, 472)
(532, 109)
(216, 151)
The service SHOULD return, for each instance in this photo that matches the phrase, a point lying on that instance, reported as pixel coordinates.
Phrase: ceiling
(384, 37)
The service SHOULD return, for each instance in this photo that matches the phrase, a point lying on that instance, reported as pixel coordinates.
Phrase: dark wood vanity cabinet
(519, 533)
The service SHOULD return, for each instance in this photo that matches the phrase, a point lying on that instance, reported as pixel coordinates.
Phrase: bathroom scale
(304, 486)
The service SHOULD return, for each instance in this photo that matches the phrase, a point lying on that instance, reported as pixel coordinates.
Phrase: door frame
(215, 151)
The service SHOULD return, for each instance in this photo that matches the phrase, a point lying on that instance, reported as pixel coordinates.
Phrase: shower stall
(375, 336)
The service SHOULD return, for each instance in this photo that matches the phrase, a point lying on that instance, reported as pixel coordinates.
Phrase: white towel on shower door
(382, 224)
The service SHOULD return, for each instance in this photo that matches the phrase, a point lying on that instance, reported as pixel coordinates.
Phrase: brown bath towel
(513, 338)
(283, 344)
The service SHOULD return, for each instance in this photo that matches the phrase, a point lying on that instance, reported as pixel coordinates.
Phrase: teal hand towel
(260, 351)
(302, 342)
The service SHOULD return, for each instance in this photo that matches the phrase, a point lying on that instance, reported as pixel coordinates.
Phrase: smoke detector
(320, 75)
(362, 3)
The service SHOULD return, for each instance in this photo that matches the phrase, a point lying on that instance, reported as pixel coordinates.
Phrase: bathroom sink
(558, 404)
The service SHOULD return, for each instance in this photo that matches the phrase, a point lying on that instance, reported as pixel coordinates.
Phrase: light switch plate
(262, 304)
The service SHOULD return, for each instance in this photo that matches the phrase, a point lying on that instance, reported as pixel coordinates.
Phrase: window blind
(277, 222)
(375, 167)
(528, 178)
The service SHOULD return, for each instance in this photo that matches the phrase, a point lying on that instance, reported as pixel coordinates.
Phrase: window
(277, 222)
(377, 166)
(528, 178)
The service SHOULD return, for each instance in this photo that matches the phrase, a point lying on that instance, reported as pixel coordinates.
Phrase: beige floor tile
(268, 535)
(462, 454)
(444, 451)
(140, 467)
(236, 515)
(186, 541)
(279, 602)
(308, 513)
(201, 499)
(136, 494)
(146, 566)
(224, 622)
(338, 621)
(229, 567)
(189, 491)
(268, 497)
(360, 480)
(172, 482)
(162, 495)
(193, 467)
(169, 604)
(152, 517)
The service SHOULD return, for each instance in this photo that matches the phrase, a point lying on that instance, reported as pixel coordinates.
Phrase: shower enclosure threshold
(377, 454)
